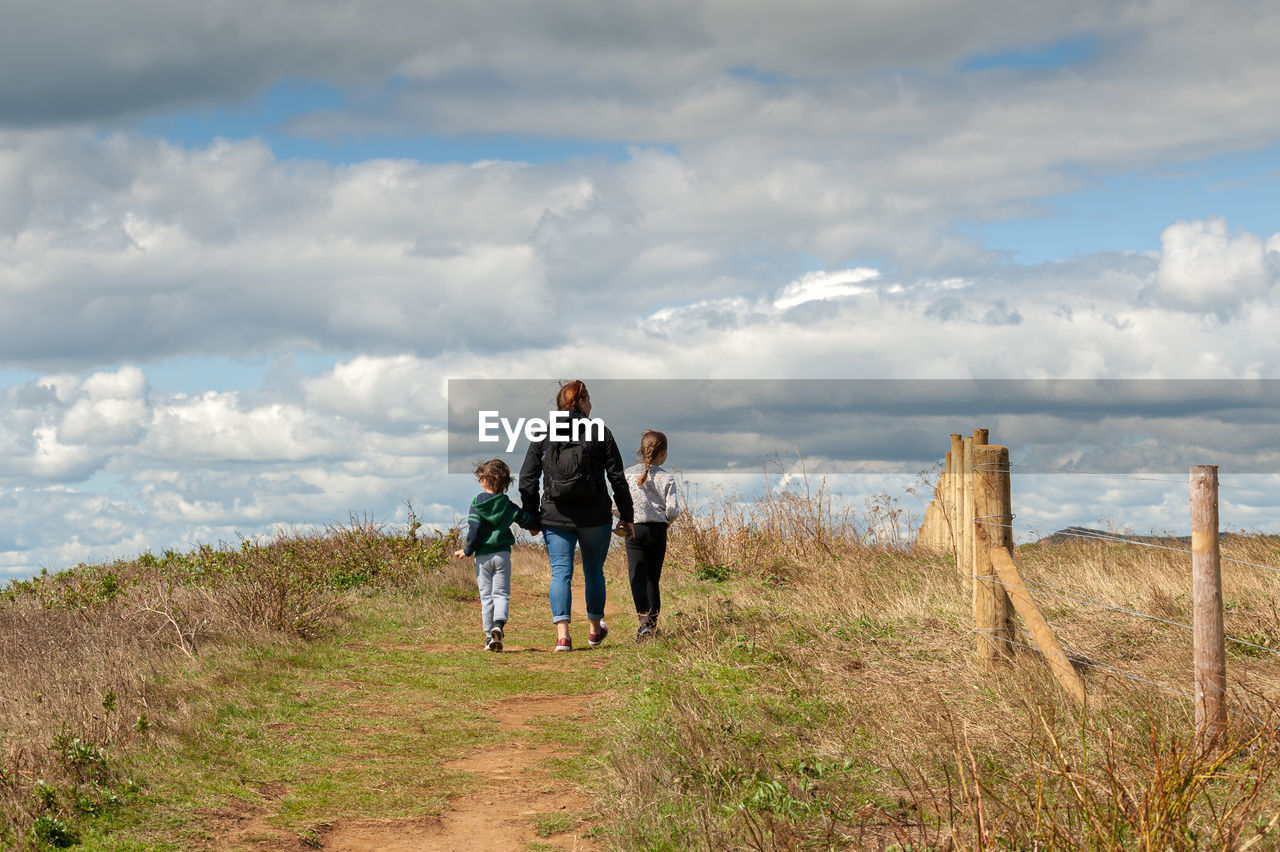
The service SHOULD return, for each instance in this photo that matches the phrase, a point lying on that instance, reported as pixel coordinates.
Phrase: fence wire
(1093, 664)
(1120, 539)
(1050, 590)
(1042, 588)
(1132, 477)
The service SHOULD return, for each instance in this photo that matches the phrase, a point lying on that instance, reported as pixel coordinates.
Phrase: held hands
(627, 527)
(459, 554)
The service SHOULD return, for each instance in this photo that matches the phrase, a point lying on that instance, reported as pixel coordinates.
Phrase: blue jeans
(594, 544)
(493, 576)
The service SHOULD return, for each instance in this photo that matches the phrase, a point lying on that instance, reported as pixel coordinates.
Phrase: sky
(245, 245)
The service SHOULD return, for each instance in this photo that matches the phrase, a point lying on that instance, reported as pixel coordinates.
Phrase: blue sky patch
(272, 114)
(223, 374)
(1065, 53)
(1128, 211)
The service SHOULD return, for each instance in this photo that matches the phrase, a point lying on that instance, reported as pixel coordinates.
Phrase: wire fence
(1055, 591)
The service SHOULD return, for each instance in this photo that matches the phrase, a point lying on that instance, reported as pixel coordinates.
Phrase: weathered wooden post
(993, 521)
(1206, 591)
(957, 501)
(1050, 647)
(964, 560)
(979, 440)
(944, 490)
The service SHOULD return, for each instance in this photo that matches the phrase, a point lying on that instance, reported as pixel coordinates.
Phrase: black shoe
(495, 638)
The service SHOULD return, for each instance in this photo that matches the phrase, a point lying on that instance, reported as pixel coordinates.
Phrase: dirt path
(521, 805)
(518, 797)
(380, 715)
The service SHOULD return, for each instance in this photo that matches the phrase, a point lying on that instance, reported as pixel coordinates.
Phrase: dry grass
(794, 523)
(824, 694)
(84, 652)
(813, 686)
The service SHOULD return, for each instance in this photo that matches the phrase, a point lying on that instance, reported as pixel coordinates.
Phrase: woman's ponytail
(571, 395)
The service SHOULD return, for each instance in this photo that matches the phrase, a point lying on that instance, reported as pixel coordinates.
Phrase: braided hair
(652, 445)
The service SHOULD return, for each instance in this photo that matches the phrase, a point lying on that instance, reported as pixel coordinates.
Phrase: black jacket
(592, 512)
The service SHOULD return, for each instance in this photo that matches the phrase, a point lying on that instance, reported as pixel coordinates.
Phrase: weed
(711, 573)
(53, 831)
(554, 823)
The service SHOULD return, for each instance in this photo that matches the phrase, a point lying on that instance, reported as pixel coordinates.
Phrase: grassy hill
(812, 687)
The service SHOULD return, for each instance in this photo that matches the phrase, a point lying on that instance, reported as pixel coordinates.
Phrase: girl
(653, 493)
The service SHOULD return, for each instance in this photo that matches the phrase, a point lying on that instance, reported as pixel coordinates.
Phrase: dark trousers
(645, 552)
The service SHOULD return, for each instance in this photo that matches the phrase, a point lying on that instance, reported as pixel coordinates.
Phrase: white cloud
(772, 150)
(820, 286)
(146, 54)
(1205, 268)
(112, 409)
(391, 392)
(182, 469)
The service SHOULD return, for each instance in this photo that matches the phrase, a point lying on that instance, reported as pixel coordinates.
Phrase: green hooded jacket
(489, 524)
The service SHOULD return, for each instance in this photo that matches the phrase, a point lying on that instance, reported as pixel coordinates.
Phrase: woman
(575, 509)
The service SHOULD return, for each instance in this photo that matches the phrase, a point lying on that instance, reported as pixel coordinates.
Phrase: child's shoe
(565, 644)
(495, 638)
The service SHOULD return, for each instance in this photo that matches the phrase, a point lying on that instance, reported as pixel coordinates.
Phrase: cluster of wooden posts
(971, 518)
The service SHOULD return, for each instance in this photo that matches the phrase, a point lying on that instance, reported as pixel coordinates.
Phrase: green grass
(548, 824)
(348, 726)
(837, 707)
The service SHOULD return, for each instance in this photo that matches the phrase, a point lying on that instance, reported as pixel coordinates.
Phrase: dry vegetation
(813, 685)
(817, 688)
(86, 654)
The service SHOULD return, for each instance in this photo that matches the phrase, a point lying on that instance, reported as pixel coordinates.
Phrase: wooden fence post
(944, 488)
(964, 559)
(1050, 647)
(1206, 590)
(979, 440)
(957, 501)
(992, 529)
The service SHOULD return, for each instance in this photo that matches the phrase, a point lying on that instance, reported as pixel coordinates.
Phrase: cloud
(146, 54)
(1204, 268)
(132, 250)
(785, 206)
(820, 286)
(102, 465)
(851, 131)
(167, 469)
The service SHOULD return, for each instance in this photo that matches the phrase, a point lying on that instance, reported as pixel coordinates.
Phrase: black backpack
(569, 471)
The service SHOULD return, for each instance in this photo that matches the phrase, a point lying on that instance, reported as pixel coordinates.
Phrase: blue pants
(594, 544)
(493, 576)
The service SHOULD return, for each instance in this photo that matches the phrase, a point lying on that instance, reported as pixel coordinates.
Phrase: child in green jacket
(489, 540)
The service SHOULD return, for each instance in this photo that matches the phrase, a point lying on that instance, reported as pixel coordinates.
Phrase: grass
(555, 823)
(830, 699)
(808, 690)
